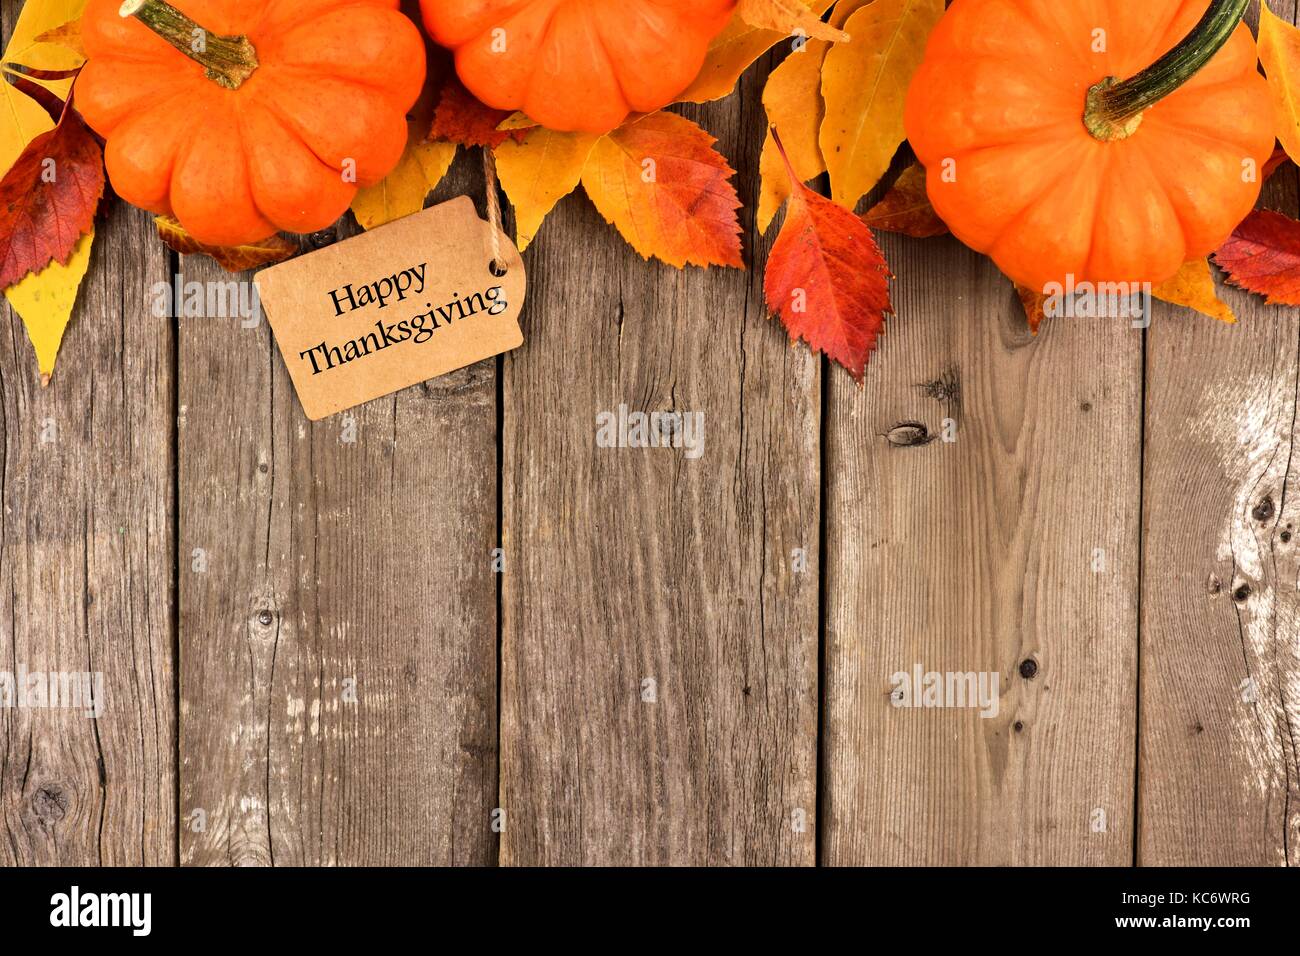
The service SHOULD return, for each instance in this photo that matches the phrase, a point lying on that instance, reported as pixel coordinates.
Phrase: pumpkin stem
(228, 60)
(1114, 109)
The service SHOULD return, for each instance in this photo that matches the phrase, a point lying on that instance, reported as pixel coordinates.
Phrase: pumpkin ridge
(190, 119)
(273, 108)
(1161, 42)
(545, 32)
(1158, 170)
(1143, 162)
(1102, 173)
(613, 69)
(1015, 220)
(1029, 10)
(245, 160)
(310, 73)
(1167, 123)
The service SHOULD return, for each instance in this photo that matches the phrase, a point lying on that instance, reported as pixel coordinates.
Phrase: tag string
(494, 211)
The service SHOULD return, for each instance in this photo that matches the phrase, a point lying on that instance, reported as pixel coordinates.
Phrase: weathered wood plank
(338, 649)
(1017, 542)
(86, 559)
(1219, 762)
(639, 564)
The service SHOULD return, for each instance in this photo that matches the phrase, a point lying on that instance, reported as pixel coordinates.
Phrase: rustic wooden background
(309, 659)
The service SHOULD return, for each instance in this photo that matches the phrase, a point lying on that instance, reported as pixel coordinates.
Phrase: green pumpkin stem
(1114, 108)
(229, 61)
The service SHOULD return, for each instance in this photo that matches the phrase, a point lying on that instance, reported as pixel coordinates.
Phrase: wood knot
(1242, 592)
(1264, 510)
(1214, 585)
(909, 435)
(1028, 668)
(946, 389)
(265, 618)
(50, 803)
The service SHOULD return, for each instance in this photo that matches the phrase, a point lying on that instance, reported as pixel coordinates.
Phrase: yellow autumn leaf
(45, 300)
(793, 101)
(1279, 51)
(1194, 287)
(791, 18)
(517, 120)
(734, 50)
(864, 85)
(403, 191)
(27, 45)
(539, 172)
(67, 36)
(22, 119)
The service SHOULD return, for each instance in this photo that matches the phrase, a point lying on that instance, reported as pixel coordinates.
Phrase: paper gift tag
(403, 303)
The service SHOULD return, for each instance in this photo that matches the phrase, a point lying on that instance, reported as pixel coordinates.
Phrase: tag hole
(497, 269)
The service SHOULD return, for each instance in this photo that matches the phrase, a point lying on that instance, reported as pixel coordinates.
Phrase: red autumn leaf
(1263, 256)
(827, 278)
(275, 248)
(462, 119)
(49, 196)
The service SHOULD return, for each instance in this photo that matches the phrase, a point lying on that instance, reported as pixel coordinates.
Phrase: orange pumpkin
(577, 64)
(289, 108)
(1040, 153)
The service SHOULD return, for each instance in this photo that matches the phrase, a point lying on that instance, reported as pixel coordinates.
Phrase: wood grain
(338, 651)
(978, 555)
(86, 556)
(632, 564)
(1219, 780)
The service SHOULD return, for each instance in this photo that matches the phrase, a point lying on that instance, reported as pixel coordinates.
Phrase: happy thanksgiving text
(392, 290)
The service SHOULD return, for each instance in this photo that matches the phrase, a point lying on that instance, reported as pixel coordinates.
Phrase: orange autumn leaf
(1035, 306)
(1275, 162)
(733, 51)
(1193, 287)
(276, 248)
(661, 183)
(906, 208)
(827, 279)
(461, 119)
(1263, 256)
